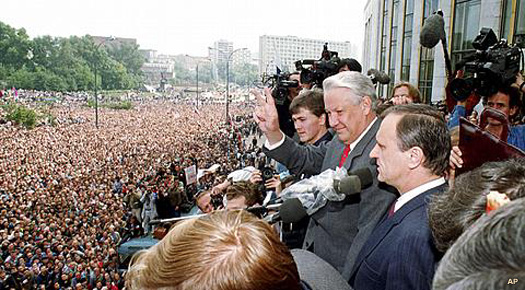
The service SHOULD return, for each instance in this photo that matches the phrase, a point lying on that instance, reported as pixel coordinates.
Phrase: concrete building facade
(284, 51)
(392, 29)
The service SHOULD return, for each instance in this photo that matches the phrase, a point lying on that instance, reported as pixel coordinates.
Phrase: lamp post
(196, 76)
(228, 82)
(111, 38)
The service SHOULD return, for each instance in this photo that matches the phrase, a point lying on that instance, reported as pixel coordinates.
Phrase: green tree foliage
(244, 74)
(66, 64)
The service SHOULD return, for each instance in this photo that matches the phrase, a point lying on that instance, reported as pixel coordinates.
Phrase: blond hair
(225, 250)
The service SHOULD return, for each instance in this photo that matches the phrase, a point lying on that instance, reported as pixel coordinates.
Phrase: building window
(513, 24)
(382, 59)
(426, 62)
(466, 28)
(393, 45)
(407, 40)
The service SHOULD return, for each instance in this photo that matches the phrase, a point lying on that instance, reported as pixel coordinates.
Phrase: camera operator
(349, 64)
(507, 100)
(287, 91)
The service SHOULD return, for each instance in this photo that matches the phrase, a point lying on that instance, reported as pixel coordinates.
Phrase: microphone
(261, 210)
(378, 76)
(292, 211)
(433, 30)
(356, 181)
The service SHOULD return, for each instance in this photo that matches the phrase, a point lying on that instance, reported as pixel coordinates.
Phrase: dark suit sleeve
(412, 265)
(375, 202)
(299, 159)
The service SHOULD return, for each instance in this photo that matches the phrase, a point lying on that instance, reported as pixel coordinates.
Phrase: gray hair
(456, 210)
(488, 254)
(358, 83)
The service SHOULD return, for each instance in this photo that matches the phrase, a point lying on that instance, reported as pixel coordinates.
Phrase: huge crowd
(67, 192)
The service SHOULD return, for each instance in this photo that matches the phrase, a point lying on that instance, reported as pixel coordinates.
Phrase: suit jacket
(400, 253)
(337, 231)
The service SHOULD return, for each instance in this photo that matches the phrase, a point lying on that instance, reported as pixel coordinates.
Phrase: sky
(190, 26)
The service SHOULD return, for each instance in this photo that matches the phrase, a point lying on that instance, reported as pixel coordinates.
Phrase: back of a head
(225, 250)
(247, 189)
(454, 211)
(489, 254)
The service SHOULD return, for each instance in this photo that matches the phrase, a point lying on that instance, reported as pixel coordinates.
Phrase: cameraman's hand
(256, 177)
(266, 116)
(274, 182)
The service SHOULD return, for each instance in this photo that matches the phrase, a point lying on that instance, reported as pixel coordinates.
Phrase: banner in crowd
(191, 174)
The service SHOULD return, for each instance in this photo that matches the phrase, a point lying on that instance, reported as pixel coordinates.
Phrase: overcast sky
(190, 26)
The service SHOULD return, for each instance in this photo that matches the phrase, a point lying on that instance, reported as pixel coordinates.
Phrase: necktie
(344, 156)
(391, 211)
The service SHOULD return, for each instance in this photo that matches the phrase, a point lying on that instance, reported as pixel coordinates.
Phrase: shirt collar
(353, 144)
(411, 194)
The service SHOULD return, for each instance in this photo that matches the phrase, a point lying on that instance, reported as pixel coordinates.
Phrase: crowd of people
(68, 191)
(71, 194)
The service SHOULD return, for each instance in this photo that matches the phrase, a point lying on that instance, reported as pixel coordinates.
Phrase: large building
(392, 29)
(220, 51)
(284, 51)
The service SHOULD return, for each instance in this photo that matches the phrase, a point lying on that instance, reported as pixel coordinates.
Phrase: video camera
(280, 85)
(318, 70)
(494, 64)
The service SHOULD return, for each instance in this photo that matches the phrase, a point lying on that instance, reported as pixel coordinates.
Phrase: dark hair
(311, 100)
(353, 65)
(454, 211)
(513, 93)
(246, 189)
(488, 254)
(424, 127)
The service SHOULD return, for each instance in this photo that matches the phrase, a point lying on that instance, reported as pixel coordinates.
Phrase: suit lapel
(361, 145)
(385, 225)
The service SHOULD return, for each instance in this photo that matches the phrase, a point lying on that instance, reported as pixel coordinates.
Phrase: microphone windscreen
(365, 176)
(349, 185)
(292, 211)
(378, 76)
(432, 31)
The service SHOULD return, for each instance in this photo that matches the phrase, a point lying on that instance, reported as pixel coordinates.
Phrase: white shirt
(352, 145)
(411, 194)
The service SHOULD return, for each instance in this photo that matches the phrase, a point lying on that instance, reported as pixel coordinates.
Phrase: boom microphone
(356, 181)
(378, 76)
(433, 30)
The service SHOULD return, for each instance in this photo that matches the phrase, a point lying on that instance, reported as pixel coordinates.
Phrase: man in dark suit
(337, 231)
(411, 153)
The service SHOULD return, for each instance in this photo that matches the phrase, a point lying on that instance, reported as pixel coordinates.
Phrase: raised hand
(266, 116)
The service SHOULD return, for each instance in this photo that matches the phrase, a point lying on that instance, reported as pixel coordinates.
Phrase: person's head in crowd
(294, 92)
(489, 254)
(413, 146)
(243, 194)
(309, 116)
(349, 64)
(507, 100)
(405, 93)
(453, 212)
(350, 99)
(224, 250)
(203, 201)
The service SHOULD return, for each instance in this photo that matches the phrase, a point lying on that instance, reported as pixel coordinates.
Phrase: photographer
(288, 93)
(507, 100)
